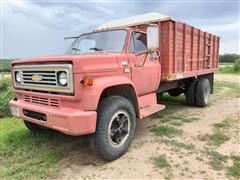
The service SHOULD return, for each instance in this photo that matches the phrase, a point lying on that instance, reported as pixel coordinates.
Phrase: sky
(37, 28)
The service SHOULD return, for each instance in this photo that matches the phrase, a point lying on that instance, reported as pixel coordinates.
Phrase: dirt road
(197, 151)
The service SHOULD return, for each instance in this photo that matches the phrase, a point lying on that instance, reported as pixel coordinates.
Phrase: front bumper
(70, 121)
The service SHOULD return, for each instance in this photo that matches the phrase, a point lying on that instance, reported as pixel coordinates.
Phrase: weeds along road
(180, 141)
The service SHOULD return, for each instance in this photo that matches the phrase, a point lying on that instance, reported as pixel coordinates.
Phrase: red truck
(112, 76)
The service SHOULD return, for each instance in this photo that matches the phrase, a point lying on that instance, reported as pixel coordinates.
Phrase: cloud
(34, 28)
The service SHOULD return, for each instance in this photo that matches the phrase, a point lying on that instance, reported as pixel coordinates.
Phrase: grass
(230, 89)
(222, 125)
(217, 160)
(234, 169)
(5, 65)
(6, 95)
(228, 70)
(160, 161)
(167, 131)
(27, 155)
(178, 145)
(178, 120)
(173, 111)
(216, 139)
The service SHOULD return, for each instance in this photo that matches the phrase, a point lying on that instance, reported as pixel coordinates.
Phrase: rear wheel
(202, 95)
(115, 127)
(190, 93)
(33, 127)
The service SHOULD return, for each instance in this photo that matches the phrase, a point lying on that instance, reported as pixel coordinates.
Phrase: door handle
(138, 65)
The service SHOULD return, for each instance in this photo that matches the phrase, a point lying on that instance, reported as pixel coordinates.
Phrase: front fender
(91, 94)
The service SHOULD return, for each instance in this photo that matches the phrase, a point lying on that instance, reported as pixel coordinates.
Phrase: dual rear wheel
(198, 92)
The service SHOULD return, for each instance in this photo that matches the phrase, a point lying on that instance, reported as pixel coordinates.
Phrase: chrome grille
(43, 77)
(47, 77)
(43, 101)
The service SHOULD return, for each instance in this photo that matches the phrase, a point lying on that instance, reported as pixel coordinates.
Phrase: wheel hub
(119, 128)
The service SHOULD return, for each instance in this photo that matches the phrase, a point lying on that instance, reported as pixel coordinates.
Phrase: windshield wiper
(96, 49)
(76, 49)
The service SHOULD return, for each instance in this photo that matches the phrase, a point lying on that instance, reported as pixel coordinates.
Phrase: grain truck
(111, 77)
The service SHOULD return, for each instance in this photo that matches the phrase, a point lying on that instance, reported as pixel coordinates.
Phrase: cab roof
(134, 20)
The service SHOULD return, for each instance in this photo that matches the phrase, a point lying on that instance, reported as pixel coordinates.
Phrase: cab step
(146, 111)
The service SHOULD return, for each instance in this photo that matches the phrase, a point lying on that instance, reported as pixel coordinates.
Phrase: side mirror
(152, 37)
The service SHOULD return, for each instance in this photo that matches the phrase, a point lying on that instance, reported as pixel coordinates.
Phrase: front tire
(116, 124)
(33, 127)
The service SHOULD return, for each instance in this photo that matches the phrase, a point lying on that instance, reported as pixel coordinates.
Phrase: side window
(138, 43)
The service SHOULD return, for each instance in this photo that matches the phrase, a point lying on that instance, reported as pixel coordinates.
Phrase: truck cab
(106, 80)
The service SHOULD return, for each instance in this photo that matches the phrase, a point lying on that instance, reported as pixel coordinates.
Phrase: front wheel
(33, 127)
(116, 124)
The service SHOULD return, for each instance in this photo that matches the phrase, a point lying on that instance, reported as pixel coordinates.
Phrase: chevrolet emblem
(36, 77)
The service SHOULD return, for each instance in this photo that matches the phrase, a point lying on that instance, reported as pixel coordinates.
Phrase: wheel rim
(119, 128)
(206, 94)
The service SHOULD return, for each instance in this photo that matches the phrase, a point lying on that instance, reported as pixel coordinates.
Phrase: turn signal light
(87, 81)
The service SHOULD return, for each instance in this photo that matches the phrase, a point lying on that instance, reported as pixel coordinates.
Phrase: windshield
(105, 41)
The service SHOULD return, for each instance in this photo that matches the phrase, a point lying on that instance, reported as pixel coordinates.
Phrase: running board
(144, 112)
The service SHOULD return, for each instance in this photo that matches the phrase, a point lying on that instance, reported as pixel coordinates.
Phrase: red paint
(184, 53)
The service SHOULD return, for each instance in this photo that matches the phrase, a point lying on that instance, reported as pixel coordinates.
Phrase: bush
(236, 65)
(5, 65)
(6, 95)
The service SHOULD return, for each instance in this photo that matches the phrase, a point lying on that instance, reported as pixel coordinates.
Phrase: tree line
(225, 58)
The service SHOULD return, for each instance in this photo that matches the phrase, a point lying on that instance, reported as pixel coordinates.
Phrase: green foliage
(222, 125)
(160, 161)
(217, 160)
(6, 94)
(5, 65)
(234, 170)
(178, 145)
(218, 138)
(230, 89)
(25, 155)
(166, 131)
(228, 58)
(236, 65)
(230, 68)
(227, 70)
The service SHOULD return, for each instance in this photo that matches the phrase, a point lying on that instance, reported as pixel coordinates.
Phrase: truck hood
(87, 63)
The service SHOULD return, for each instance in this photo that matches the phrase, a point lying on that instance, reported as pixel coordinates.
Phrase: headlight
(18, 77)
(62, 78)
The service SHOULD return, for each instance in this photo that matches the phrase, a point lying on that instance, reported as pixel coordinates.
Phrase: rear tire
(203, 90)
(116, 122)
(33, 127)
(190, 93)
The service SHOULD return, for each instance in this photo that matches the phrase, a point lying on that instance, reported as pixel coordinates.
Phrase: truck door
(145, 69)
